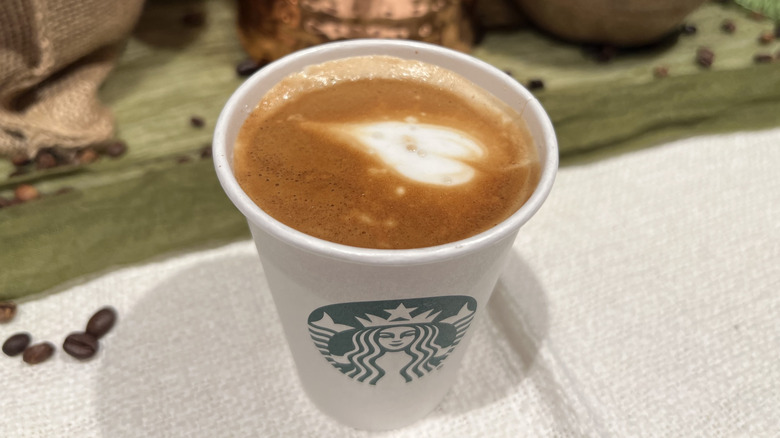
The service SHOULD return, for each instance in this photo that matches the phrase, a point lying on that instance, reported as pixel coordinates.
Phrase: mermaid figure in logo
(414, 345)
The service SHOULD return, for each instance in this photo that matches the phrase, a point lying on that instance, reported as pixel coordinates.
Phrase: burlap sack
(54, 54)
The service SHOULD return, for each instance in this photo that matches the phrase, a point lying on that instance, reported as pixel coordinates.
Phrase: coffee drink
(381, 152)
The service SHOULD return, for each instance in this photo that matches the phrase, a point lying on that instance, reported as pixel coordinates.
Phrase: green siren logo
(401, 340)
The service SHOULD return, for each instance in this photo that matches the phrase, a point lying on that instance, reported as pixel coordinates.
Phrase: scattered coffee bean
(5, 202)
(766, 37)
(606, 54)
(101, 322)
(19, 171)
(763, 58)
(45, 160)
(205, 151)
(728, 26)
(7, 310)
(16, 344)
(535, 84)
(64, 190)
(508, 73)
(661, 71)
(38, 353)
(197, 121)
(11, 202)
(182, 159)
(86, 156)
(193, 19)
(688, 29)
(64, 156)
(777, 30)
(705, 57)
(20, 160)
(81, 345)
(26, 192)
(116, 149)
(249, 66)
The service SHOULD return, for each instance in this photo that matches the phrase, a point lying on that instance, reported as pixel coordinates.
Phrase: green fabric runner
(150, 203)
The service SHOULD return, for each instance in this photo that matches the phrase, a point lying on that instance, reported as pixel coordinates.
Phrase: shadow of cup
(203, 353)
(505, 343)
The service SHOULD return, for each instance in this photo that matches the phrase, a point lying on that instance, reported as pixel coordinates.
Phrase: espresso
(380, 152)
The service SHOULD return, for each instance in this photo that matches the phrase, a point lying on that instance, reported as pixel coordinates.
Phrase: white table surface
(642, 301)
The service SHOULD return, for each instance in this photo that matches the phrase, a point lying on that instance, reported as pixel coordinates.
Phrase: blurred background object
(270, 29)
(624, 23)
(498, 15)
(54, 55)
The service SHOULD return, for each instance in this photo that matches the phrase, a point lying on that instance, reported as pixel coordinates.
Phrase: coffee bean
(535, 84)
(7, 310)
(688, 29)
(16, 344)
(205, 152)
(20, 160)
(87, 155)
(116, 149)
(508, 73)
(661, 71)
(777, 30)
(101, 322)
(193, 19)
(26, 192)
(728, 26)
(9, 202)
(705, 57)
(81, 345)
(64, 156)
(182, 159)
(606, 54)
(197, 121)
(249, 66)
(19, 171)
(45, 160)
(766, 37)
(763, 58)
(38, 353)
(64, 190)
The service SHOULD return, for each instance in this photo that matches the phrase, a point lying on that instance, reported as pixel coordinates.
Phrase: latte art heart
(422, 152)
(383, 152)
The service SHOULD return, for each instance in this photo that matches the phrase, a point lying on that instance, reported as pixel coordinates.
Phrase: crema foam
(385, 153)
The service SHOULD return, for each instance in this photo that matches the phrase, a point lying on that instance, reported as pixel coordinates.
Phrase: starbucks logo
(379, 341)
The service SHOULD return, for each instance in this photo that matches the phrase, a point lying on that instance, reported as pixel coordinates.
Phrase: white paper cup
(378, 335)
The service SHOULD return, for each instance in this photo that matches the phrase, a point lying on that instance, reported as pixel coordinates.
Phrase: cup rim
(256, 216)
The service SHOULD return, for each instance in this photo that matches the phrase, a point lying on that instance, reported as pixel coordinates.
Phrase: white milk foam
(422, 152)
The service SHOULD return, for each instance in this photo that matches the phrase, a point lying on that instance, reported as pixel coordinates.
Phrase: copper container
(270, 29)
